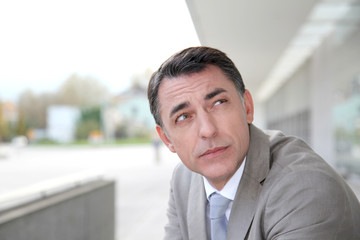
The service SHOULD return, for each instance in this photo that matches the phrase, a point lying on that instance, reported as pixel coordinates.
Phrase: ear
(165, 138)
(249, 106)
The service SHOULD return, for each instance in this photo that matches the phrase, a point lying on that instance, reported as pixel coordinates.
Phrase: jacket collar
(243, 209)
(256, 169)
(196, 215)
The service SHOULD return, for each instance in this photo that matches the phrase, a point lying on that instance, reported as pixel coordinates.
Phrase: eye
(182, 117)
(218, 102)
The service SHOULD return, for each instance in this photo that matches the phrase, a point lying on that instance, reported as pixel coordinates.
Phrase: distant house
(61, 123)
(8, 120)
(9, 112)
(127, 115)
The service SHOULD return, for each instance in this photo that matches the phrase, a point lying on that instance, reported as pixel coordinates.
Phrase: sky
(43, 42)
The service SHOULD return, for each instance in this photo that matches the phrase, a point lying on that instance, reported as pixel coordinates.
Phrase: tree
(21, 127)
(29, 112)
(5, 131)
(89, 121)
(82, 92)
(33, 107)
(75, 91)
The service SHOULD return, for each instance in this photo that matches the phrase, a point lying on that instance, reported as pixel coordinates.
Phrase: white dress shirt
(229, 190)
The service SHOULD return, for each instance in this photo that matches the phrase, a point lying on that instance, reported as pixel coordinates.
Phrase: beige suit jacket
(286, 192)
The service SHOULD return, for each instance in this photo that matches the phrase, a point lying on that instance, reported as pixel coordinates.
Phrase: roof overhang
(254, 33)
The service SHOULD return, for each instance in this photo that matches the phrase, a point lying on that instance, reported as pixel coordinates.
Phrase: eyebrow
(184, 105)
(179, 107)
(214, 93)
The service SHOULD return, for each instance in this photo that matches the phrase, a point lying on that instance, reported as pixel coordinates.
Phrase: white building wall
(321, 87)
(289, 108)
(61, 123)
(317, 87)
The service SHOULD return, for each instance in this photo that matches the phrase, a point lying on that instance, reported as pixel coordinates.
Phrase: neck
(218, 185)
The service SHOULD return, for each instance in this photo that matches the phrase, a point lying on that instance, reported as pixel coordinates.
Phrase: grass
(124, 141)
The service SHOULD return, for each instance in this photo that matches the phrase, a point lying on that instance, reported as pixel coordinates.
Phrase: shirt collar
(230, 188)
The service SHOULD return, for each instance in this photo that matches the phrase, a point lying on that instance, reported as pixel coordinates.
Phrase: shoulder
(302, 191)
(296, 168)
(290, 153)
(181, 174)
(280, 154)
(183, 178)
(312, 203)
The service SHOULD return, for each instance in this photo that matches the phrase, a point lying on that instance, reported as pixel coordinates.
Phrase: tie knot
(218, 205)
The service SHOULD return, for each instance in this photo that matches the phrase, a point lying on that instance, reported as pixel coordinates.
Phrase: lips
(213, 152)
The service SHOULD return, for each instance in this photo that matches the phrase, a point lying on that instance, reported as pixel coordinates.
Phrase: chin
(217, 174)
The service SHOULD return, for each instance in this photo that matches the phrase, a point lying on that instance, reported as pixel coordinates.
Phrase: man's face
(206, 123)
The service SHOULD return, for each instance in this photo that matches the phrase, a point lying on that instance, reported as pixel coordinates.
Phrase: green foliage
(32, 108)
(6, 132)
(21, 126)
(85, 128)
(75, 91)
(89, 121)
(81, 91)
(353, 137)
(117, 142)
(92, 113)
(132, 141)
(46, 141)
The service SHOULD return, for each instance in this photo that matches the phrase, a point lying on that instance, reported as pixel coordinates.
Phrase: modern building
(301, 62)
(61, 123)
(9, 112)
(127, 115)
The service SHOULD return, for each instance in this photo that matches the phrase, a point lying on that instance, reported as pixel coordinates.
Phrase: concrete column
(321, 101)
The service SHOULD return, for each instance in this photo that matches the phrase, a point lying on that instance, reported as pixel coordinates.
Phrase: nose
(207, 125)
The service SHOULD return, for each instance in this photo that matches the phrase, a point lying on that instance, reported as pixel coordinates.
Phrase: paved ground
(142, 182)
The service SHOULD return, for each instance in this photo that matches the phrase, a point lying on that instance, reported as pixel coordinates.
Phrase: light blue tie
(218, 221)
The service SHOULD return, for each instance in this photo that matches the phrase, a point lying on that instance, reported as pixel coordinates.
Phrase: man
(271, 186)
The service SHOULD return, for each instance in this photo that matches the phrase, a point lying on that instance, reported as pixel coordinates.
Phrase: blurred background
(74, 111)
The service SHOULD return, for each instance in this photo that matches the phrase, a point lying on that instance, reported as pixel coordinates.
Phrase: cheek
(243, 139)
(238, 128)
(233, 121)
(184, 146)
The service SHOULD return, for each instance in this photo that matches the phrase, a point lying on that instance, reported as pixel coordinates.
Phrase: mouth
(213, 152)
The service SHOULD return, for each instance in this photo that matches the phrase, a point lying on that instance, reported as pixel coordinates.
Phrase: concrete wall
(289, 108)
(314, 90)
(83, 213)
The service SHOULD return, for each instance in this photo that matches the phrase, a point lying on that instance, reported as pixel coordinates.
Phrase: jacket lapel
(255, 172)
(196, 215)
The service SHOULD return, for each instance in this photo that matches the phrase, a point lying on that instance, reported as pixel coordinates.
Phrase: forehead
(193, 86)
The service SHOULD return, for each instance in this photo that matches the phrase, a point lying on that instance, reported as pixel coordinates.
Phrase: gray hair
(186, 62)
